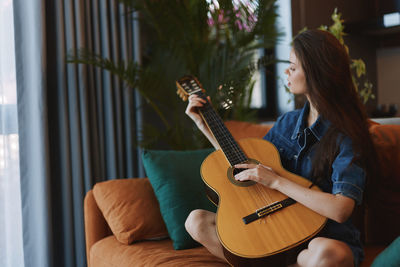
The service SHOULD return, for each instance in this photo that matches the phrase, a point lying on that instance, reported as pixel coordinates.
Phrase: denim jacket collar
(319, 127)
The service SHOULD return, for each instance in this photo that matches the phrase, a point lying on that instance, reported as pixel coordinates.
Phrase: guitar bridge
(267, 210)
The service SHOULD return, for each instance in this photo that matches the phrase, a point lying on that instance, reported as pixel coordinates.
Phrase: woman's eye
(292, 69)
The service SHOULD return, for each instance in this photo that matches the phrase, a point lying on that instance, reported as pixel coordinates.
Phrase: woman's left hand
(259, 173)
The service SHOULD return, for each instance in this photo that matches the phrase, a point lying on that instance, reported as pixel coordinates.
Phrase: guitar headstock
(188, 85)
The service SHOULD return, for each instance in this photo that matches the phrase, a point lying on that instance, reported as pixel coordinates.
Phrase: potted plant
(215, 41)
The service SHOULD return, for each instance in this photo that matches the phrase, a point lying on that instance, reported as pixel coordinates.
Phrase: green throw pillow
(390, 257)
(175, 178)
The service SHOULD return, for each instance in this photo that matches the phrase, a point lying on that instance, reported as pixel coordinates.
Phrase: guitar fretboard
(224, 138)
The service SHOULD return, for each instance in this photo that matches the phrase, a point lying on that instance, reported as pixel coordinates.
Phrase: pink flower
(221, 18)
(210, 22)
(239, 24)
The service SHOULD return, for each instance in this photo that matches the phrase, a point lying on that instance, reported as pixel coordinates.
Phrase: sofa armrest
(96, 227)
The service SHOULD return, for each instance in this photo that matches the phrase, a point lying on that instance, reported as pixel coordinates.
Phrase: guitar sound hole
(231, 176)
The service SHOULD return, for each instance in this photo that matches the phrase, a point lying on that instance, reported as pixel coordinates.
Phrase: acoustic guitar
(257, 226)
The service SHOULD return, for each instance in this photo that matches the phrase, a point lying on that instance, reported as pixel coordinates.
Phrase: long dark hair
(326, 65)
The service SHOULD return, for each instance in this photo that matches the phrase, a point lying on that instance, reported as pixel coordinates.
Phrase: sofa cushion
(175, 177)
(383, 214)
(131, 209)
(390, 257)
(108, 252)
(241, 129)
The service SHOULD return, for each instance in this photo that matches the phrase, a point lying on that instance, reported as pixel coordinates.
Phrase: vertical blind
(78, 122)
(105, 28)
(96, 113)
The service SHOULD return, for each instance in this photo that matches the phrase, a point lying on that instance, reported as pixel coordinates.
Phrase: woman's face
(296, 78)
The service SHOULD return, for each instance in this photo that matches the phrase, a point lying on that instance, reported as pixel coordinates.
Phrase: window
(282, 52)
(270, 96)
(10, 201)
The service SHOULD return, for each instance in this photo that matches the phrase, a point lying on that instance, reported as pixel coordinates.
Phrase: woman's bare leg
(321, 252)
(326, 252)
(200, 224)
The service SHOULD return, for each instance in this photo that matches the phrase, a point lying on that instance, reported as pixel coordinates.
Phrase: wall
(388, 65)
(313, 13)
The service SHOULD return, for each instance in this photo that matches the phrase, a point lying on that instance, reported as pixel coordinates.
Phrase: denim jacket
(296, 145)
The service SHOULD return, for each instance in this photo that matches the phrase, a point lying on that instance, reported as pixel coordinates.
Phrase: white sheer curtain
(11, 252)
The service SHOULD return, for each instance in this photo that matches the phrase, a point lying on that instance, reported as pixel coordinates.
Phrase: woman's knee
(198, 222)
(326, 252)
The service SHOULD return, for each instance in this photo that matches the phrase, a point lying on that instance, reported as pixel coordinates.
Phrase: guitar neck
(227, 143)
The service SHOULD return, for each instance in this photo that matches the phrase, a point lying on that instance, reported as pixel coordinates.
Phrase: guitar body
(269, 237)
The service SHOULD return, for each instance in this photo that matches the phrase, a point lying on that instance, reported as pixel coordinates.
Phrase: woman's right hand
(196, 102)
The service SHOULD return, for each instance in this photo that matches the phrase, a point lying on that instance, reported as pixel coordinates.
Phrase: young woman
(327, 141)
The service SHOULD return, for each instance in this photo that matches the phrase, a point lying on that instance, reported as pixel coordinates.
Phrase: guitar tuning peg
(182, 95)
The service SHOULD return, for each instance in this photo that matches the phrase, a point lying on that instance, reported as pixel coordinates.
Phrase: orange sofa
(379, 222)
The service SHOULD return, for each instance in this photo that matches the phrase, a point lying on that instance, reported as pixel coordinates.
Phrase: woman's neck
(312, 115)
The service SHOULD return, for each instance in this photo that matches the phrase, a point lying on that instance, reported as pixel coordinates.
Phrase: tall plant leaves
(213, 40)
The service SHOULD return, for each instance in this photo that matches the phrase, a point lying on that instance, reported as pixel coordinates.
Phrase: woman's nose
(286, 71)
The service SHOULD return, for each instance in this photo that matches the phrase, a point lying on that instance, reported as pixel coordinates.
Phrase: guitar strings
(258, 192)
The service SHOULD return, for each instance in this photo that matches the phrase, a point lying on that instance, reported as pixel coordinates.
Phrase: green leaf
(359, 66)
